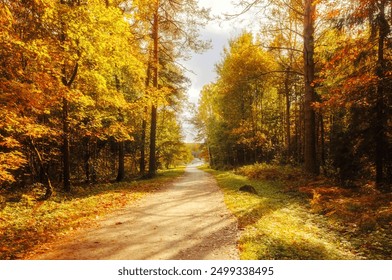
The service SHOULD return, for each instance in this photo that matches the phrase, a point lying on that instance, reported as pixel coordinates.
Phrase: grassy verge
(279, 224)
(26, 225)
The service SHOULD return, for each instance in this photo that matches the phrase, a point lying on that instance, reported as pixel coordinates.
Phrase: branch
(256, 77)
(247, 5)
(49, 187)
(69, 82)
(293, 9)
(282, 71)
(74, 73)
(284, 29)
(282, 48)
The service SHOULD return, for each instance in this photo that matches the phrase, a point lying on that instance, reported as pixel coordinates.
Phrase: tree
(153, 130)
(238, 111)
(357, 94)
(306, 9)
(176, 22)
(26, 84)
(287, 46)
(66, 64)
(170, 147)
(311, 164)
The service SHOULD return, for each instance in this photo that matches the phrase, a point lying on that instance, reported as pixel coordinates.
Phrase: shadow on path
(187, 221)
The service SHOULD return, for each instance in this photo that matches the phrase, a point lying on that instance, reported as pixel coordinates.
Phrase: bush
(263, 171)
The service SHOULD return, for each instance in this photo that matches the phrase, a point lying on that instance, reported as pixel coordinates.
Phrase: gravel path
(188, 221)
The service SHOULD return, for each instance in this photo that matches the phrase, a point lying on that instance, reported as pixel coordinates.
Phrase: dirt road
(186, 221)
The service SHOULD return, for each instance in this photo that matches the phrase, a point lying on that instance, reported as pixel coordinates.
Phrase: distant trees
(174, 32)
(74, 86)
(357, 95)
(238, 111)
(326, 85)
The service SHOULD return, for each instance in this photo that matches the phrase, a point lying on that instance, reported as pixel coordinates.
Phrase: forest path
(188, 220)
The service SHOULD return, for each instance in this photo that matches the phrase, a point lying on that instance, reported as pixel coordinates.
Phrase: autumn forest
(311, 88)
(80, 89)
(94, 92)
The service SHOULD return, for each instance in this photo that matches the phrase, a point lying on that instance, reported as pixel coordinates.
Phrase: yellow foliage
(8, 162)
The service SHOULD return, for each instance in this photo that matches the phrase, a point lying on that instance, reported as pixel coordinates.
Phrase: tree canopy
(312, 89)
(75, 84)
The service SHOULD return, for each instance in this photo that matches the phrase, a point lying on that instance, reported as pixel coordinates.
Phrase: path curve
(187, 221)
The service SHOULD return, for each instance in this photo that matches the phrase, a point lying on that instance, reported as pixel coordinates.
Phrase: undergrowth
(295, 216)
(27, 225)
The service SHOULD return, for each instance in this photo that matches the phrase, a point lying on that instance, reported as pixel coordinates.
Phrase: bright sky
(203, 65)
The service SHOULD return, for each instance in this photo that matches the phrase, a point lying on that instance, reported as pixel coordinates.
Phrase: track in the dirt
(188, 220)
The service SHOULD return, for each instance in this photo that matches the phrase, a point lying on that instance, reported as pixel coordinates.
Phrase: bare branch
(283, 48)
(248, 6)
(288, 5)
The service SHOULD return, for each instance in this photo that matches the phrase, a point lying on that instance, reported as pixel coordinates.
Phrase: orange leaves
(6, 17)
(9, 142)
(249, 136)
(348, 72)
(364, 208)
(333, 13)
(40, 43)
(10, 161)
(363, 81)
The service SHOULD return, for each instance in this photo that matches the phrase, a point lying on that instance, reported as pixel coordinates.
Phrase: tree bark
(379, 124)
(144, 125)
(121, 162)
(66, 149)
(48, 185)
(65, 120)
(153, 132)
(143, 148)
(322, 142)
(86, 158)
(288, 108)
(310, 157)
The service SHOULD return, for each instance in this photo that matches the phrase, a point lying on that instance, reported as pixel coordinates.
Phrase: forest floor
(184, 216)
(294, 216)
(29, 226)
(186, 219)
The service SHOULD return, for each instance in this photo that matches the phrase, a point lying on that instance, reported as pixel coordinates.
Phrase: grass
(28, 224)
(280, 224)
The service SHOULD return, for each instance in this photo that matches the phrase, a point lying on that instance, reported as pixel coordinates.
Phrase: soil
(186, 221)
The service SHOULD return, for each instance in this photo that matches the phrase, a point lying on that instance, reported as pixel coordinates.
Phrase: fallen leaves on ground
(28, 224)
(296, 216)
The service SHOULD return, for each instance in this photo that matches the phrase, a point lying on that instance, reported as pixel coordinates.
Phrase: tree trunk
(121, 162)
(48, 184)
(153, 132)
(65, 120)
(288, 122)
(144, 125)
(86, 157)
(66, 149)
(143, 148)
(379, 124)
(322, 142)
(310, 156)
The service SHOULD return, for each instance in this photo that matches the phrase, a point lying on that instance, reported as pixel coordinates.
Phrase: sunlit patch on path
(189, 220)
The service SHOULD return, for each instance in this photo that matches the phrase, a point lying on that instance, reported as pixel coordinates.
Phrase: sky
(203, 65)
